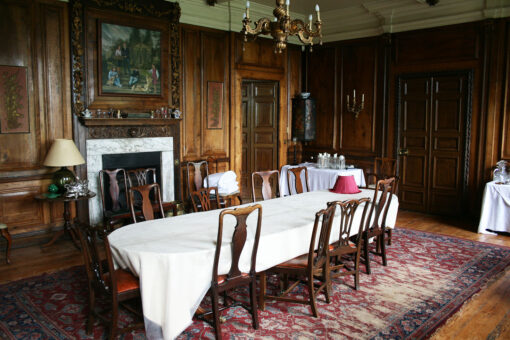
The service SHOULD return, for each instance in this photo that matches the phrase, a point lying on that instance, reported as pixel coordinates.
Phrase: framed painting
(125, 55)
(130, 60)
(214, 105)
(13, 100)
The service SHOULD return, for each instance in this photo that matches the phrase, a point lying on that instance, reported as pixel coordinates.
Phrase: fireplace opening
(129, 161)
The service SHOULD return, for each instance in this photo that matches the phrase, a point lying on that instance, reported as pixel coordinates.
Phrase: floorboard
(485, 316)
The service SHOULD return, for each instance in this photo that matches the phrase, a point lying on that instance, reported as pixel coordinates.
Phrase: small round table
(68, 223)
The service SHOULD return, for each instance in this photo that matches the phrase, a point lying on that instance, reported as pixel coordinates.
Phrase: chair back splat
(266, 191)
(298, 184)
(141, 176)
(201, 199)
(147, 207)
(196, 172)
(114, 196)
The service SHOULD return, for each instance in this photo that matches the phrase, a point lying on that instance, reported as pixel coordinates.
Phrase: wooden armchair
(265, 189)
(348, 244)
(146, 206)
(115, 286)
(114, 197)
(298, 184)
(313, 265)
(201, 199)
(235, 278)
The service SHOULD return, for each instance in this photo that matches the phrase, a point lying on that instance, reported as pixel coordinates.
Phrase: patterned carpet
(428, 278)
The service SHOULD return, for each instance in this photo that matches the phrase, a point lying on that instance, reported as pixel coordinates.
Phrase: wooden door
(260, 129)
(432, 133)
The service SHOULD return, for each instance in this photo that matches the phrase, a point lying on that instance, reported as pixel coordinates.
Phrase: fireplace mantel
(89, 122)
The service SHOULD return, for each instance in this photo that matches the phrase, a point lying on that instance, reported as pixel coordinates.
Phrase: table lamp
(63, 153)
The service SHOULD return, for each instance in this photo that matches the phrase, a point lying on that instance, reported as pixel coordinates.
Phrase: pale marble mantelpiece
(96, 148)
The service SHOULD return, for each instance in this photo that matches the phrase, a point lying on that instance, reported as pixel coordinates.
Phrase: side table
(68, 223)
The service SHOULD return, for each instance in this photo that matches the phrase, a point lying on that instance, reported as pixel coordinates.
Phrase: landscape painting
(130, 60)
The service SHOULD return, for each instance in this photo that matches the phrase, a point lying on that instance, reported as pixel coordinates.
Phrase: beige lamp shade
(63, 152)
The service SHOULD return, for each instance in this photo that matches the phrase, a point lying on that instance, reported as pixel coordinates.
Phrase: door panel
(432, 123)
(260, 130)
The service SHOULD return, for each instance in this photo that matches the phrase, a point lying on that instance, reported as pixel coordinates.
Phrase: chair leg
(253, 301)
(367, 255)
(7, 236)
(390, 232)
(356, 272)
(114, 321)
(311, 292)
(327, 282)
(383, 249)
(216, 314)
(262, 293)
(92, 306)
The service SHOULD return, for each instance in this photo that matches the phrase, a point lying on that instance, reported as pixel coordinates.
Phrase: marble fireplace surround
(96, 148)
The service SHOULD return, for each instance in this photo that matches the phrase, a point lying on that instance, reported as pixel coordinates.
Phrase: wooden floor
(485, 316)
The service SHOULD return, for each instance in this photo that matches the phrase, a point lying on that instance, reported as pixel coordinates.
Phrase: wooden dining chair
(226, 199)
(308, 267)
(202, 199)
(383, 168)
(115, 287)
(114, 197)
(349, 240)
(144, 204)
(195, 174)
(298, 184)
(265, 188)
(377, 229)
(235, 278)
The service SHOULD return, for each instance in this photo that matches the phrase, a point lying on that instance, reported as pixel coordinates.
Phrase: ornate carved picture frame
(96, 25)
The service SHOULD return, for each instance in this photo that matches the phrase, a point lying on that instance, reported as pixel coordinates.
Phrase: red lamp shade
(345, 185)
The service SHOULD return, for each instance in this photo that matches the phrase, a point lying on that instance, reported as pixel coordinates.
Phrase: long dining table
(173, 257)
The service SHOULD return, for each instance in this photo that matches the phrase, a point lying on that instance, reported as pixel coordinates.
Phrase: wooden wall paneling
(322, 71)
(17, 20)
(504, 152)
(258, 53)
(451, 44)
(53, 67)
(191, 93)
(215, 68)
(358, 64)
(35, 35)
(294, 84)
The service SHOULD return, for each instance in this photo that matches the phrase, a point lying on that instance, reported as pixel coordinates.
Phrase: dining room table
(319, 178)
(173, 257)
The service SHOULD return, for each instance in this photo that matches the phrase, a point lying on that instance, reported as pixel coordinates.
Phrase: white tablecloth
(495, 214)
(319, 179)
(173, 257)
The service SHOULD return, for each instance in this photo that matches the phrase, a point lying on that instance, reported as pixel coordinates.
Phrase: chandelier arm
(262, 26)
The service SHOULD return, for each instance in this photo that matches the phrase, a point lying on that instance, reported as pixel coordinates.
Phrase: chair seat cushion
(297, 262)
(125, 281)
(333, 246)
(223, 278)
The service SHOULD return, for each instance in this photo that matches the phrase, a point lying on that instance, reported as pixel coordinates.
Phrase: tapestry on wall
(214, 105)
(13, 100)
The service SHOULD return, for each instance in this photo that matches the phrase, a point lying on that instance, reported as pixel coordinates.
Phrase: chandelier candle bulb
(310, 17)
(287, 2)
(318, 12)
(247, 10)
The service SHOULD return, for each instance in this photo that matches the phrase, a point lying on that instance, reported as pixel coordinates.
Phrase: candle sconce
(354, 107)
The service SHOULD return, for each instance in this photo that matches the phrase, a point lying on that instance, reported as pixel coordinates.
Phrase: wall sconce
(355, 108)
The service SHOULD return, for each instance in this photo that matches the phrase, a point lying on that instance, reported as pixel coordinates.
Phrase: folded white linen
(225, 181)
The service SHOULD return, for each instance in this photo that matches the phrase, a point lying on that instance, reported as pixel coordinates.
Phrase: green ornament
(53, 188)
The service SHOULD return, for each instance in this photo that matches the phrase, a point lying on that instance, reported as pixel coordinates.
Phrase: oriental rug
(428, 278)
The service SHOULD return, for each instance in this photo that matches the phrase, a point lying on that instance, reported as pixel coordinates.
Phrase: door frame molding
(236, 129)
(469, 73)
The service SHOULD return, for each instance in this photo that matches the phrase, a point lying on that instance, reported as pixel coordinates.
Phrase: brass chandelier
(281, 27)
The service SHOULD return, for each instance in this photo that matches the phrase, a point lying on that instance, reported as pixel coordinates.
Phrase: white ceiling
(349, 19)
